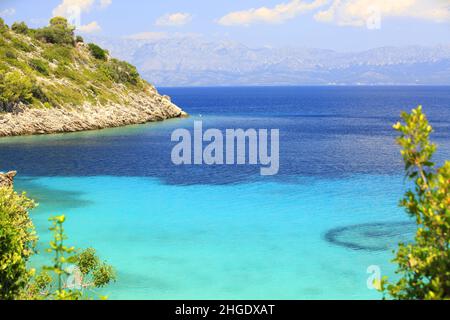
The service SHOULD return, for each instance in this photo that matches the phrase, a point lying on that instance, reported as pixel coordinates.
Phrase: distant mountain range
(196, 61)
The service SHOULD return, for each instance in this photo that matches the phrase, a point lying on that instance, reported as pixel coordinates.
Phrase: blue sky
(344, 25)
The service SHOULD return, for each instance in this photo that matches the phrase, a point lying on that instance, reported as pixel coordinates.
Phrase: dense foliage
(79, 39)
(58, 32)
(17, 241)
(97, 52)
(73, 274)
(121, 72)
(14, 88)
(424, 265)
(40, 66)
(20, 27)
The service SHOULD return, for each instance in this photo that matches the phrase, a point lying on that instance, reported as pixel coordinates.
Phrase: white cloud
(68, 7)
(105, 3)
(90, 27)
(8, 12)
(342, 12)
(73, 9)
(174, 20)
(278, 14)
(358, 12)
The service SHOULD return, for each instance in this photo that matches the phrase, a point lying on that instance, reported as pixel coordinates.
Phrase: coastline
(139, 108)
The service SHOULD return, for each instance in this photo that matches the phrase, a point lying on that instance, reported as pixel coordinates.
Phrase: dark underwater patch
(49, 197)
(372, 236)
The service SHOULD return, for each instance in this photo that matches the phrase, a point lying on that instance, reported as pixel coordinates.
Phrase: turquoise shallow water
(268, 242)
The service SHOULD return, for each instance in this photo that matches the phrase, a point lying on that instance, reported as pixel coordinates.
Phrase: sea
(322, 228)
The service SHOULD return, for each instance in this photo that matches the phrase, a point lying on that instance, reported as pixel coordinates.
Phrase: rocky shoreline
(7, 179)
(139, 109)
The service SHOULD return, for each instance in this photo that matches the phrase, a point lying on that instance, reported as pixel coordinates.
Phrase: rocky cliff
(7, 179)
(138, 109)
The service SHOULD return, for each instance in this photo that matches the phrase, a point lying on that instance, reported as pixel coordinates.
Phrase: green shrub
(424, 265)
(73, 275)
(54, 35)
(14, 88)
(58, 32)
(17, 241)
(63, 71)
(3, 26)
(63, 95)
(4, 32)
(39, 94)
(79, 39)
(58, 54)
(21, 45)
(9, 54)
(93, 273)
(39, 65)
(20, 27)
(121, 72)
(59, 22)
(97, 52)
(18, 64)
(4, 67)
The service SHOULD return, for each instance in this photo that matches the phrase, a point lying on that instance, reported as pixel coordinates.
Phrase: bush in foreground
(17, 242)
(424, 265)
(71, 276)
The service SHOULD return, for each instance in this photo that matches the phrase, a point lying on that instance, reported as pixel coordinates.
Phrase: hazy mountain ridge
(195, 61)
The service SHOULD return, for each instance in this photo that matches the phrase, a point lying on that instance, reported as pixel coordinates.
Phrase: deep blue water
(224, 231)
(327, 132)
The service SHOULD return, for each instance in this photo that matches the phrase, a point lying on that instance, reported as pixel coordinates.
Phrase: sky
(342, 25)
